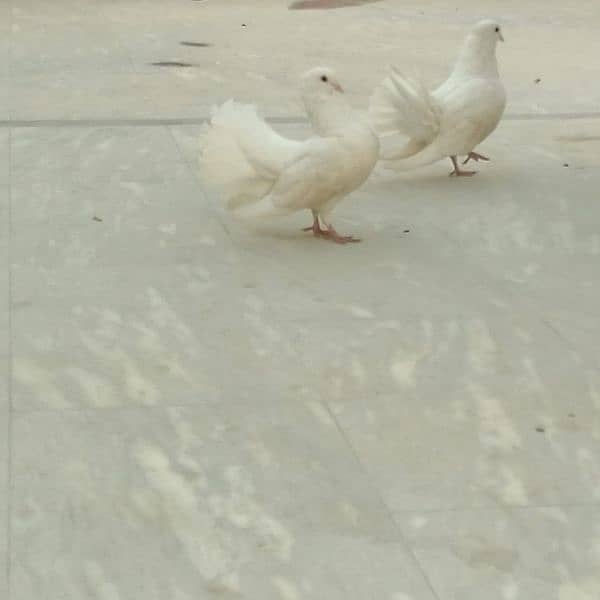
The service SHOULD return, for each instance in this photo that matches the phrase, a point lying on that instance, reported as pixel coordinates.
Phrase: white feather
(241, 155)
(403, 105)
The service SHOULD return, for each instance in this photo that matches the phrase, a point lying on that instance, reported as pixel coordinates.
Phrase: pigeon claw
(458, 172)
(476, 157)
(462, 173)
(332, 235)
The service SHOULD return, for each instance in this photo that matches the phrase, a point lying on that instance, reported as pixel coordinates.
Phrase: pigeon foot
(476, 157)
(458, 172)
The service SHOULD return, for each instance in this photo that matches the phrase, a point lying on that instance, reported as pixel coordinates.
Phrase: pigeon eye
(324, 78)
(497, 29)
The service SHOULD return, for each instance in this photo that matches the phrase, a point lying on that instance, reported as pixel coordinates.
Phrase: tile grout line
(194, 174)
(9, 375)
(383, 503)
(9, 368)
(556, 332)
(497, 507)
(200, 120)
(182, 154)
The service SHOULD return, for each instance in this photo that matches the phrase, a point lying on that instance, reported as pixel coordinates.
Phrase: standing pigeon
(262, 174)
(451, 120)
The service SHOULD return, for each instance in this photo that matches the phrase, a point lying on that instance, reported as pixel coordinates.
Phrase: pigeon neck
(477, 58)
(329, 115)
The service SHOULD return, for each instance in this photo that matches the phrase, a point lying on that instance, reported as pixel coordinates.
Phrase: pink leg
(316, 226)
(458, 172)
(476, 157)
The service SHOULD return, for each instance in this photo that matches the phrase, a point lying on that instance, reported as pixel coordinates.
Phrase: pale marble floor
(194, 410)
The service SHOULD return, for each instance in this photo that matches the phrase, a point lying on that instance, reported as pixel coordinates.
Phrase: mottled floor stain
(196, 44)
(324, 4)
(172, 63)
(503, 559)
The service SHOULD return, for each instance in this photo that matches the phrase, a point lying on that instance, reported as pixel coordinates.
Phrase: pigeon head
(319, 82)
(477, 57)
(488, 31)
(325, 102)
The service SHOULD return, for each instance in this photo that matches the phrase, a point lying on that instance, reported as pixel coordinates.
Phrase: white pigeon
(451, 120)
(262, 174)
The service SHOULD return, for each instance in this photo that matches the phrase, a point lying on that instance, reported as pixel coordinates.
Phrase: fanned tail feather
(403, 106)
(426, 156)
(395, 152)
(241, 156)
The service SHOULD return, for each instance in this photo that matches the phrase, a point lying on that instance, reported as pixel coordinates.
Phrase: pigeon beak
(500, 36)
(338, 87)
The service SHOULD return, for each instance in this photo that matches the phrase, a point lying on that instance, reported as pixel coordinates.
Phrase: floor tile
(217, 501)
(549, 553)
(95, 155)
(116, 336)
(472, 415)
